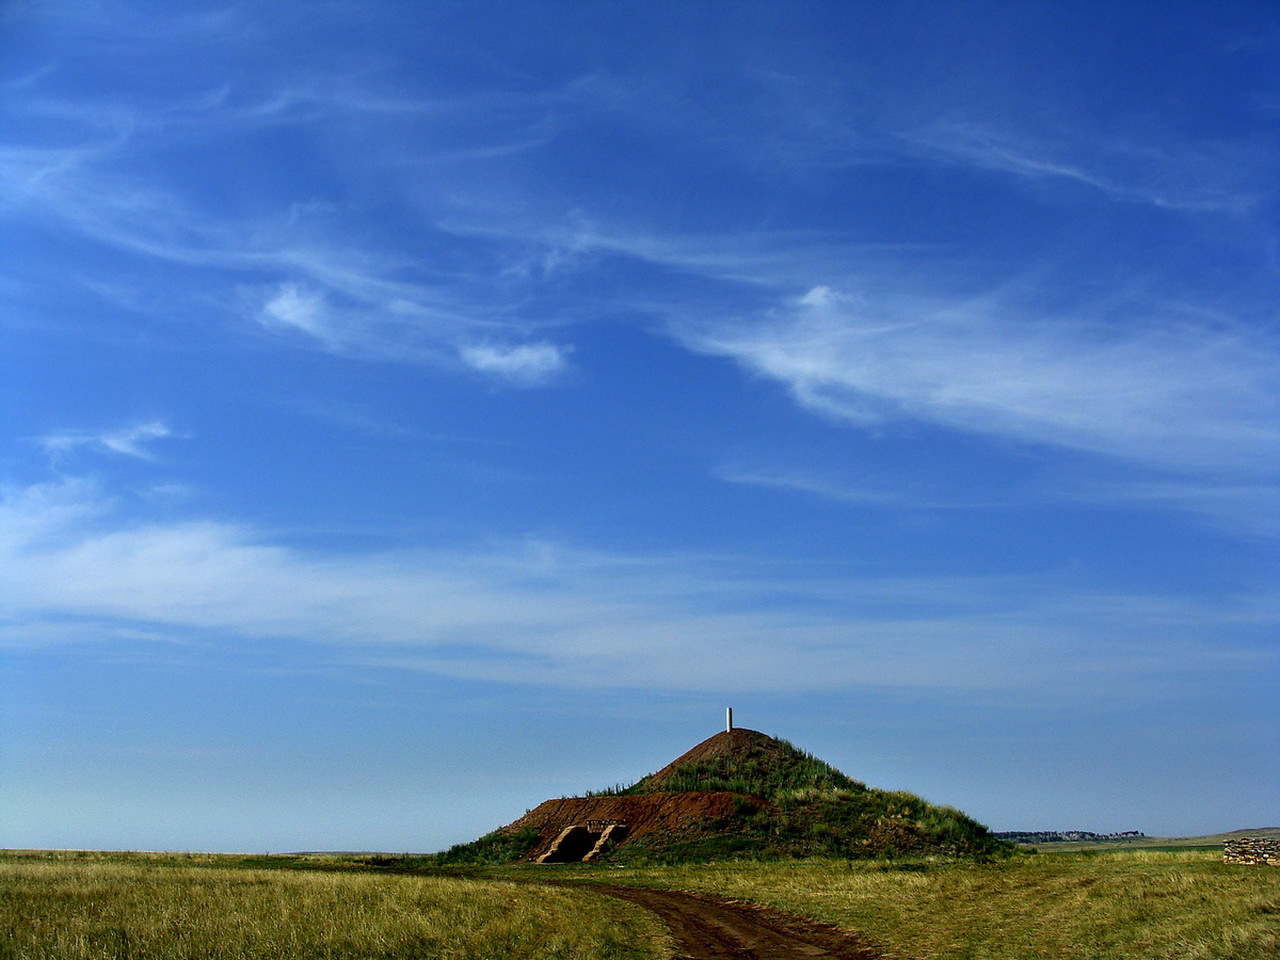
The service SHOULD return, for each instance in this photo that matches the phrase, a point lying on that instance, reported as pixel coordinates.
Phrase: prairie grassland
(1134, 905)
(82, 907)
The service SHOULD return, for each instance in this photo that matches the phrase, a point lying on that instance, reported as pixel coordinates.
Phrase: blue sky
(415, 411)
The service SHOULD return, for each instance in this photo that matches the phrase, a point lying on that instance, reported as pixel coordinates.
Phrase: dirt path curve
(705, 928)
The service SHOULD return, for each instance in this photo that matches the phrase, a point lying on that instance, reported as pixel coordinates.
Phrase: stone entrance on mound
(686, 815)
(584, 842)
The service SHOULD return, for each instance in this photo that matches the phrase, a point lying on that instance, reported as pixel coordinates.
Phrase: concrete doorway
(584, 842)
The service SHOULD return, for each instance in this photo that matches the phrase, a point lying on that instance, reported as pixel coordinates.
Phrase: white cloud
(1251, 511)
(128, 441)
(1172, 395)
(354, 300)
(1194, 177)
(525, 364)
(1241, 509)
(296, 308)
(543, 613)
(826, 487)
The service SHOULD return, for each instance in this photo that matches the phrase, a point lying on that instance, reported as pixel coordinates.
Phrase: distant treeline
(1065, 836)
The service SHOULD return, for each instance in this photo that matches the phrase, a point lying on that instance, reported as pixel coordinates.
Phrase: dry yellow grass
(1132, 905)
(86, 908)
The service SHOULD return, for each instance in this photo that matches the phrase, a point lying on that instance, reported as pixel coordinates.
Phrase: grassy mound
(795, 805)
(775, 801)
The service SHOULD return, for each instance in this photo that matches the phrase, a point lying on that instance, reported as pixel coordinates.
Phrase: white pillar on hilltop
(728, 719)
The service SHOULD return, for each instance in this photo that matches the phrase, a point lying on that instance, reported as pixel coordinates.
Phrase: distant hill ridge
(739, 793)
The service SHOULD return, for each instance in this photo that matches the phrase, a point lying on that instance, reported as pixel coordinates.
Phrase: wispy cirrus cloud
(1242, 509)
(1205, 177)
(364, 325)
(291, 264)
(547, 613)
(824, 486)
(131, 441)
(348, 301)
(1170, 396)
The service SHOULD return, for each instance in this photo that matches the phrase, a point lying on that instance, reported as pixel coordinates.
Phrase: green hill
(794, 805)
(738, 794)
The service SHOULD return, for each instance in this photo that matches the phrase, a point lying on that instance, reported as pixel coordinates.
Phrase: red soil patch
(672, 814)
(678, 816)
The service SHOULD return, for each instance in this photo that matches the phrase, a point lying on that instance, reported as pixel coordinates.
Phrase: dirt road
(706, 928)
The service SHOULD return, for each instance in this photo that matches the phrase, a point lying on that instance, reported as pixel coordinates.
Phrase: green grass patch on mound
(500, 846)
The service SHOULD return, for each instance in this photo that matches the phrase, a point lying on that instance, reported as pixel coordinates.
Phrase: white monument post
(728, 719)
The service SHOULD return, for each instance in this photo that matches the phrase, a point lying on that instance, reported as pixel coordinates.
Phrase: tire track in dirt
(706, 928)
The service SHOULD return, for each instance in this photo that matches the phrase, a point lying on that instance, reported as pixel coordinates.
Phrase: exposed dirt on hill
(679, 815)
(706, 928)
(674, 815)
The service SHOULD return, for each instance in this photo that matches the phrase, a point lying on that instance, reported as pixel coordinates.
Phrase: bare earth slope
(709, 929)
(673, 815)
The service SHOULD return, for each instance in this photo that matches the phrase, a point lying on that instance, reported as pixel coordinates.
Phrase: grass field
(77, 907)
(1137, 905)
(1129, 905)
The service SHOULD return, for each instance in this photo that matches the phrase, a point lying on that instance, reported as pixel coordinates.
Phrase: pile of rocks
(1252, 850)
